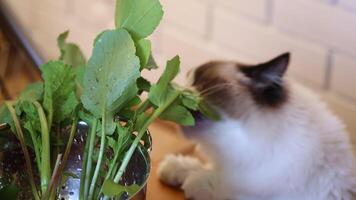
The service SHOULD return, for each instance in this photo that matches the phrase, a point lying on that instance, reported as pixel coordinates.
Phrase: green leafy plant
(106, 93)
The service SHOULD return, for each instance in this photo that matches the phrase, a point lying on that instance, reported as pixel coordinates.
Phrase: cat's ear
(272, 70)
(264, 81)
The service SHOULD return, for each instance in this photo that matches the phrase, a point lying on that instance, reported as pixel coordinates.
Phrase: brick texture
(263, 43)
(320, 34)
(314, 20)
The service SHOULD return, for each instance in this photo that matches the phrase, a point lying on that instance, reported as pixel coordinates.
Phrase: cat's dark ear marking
(270, 70)
(266, 84)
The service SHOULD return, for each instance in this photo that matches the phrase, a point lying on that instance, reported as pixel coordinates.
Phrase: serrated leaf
(111, 74)
(5, 117)
(59, 85)
(68, 107)
(178, 114)
(143, 51)
(111, 189)
(31, 124)
(31, 115)
(33, 92)
(70, 52)
(139, 17)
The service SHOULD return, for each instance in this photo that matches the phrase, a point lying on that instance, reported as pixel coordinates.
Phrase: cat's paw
(174, 169)
(204, 185)
(200, 186)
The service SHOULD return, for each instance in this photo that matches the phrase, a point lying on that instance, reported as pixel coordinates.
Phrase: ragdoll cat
(275, 141)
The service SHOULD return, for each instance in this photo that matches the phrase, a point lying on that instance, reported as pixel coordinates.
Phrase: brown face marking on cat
(217, 82)
(235, 88)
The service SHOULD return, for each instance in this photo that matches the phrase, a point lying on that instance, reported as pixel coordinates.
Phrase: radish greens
(105, 92)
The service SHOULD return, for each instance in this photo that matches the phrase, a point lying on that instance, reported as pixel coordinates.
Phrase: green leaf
(33, 92)
(143, 84)
(32, 125)
(68, 107)
(111, 74)
(9, 192)
(151, 63)
(113, 144)
(190, 100)
(124, 137)
(79, 76)
(30, 118)
(178, 114)
(111, 189)
(141, 119)
(190, 103)
(143, 51)
(70, 52)
(5, 117)
(162, 90)
(139, 17)
(208, 111)
(133, 102)
(171, 71)
(59, 85)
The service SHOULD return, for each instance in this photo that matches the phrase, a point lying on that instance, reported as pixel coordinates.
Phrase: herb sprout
(105, 92)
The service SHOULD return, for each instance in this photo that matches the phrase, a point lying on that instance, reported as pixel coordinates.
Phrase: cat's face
(235, 89)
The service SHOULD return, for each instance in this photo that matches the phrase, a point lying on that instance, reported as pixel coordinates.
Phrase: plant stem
(37, 150)
(142, 131)
(73, 130)
(146, 104)
(58, 134)
(90, 158)
(83, 176)
(24, 149)
(46, 151)
(55, 175)
(100, 157)
(112, 168)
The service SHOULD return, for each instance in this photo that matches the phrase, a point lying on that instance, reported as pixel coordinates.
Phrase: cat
(275, 140)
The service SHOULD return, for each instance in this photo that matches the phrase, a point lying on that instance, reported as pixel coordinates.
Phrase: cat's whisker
(215, 88)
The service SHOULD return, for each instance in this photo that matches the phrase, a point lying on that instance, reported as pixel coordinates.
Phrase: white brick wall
(263, 42)
(325, 23)
(179, 12)
(321, 35)
(257, 9)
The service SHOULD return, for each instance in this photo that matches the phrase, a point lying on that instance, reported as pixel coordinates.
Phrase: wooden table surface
(166, 139)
